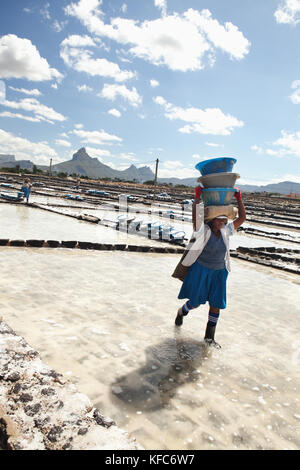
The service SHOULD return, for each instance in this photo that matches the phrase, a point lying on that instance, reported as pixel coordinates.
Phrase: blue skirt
(203, 284)
(26, 191)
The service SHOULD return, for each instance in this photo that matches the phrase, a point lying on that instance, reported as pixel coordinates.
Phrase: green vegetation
(25, 171)
(149, 182)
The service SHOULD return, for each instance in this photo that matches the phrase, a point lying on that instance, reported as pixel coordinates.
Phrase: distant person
(207, 264)
(78, 184)
(26, 188)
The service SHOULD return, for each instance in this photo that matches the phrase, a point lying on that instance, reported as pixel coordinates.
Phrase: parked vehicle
(95, 192)
(75, 198)
(128, 197)
(164, 196)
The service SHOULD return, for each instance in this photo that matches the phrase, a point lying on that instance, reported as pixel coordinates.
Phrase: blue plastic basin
(217, 196)
(216, 165)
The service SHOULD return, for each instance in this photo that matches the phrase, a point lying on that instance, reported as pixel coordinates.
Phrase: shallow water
(106, 321)
(22, 222)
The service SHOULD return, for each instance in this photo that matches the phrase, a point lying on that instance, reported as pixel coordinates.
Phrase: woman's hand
(198, 191)
(238, 194)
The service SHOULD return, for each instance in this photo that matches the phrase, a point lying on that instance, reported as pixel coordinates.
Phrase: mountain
(185, 181)
(9, 161)
(6, 158)
(284, 187)
(85, 165)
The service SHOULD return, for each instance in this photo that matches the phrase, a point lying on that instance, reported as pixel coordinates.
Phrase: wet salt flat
(106, 321)
(29, 223)
(22, 222)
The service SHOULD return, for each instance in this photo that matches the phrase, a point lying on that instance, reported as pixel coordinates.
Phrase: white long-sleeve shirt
(201, 236)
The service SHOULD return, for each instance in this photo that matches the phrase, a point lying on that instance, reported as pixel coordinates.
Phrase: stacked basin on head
(218, 181)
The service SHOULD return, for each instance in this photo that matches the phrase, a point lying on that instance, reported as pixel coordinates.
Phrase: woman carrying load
(206, 262)
(26, 188)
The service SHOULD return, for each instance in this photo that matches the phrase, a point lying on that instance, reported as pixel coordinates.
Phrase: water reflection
(169, 365)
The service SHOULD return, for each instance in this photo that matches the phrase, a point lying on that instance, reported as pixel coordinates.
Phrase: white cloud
(63, 143)
(207, 121)
(257, 149)
(19, 58)
(154, 83)
(212, 144)
(41, 111)
(114, 112)
(99, 153)
(58, 26)
(129, 156)
(19, 116)
(111, 92)
(288, 12)
(295, 96)
(124, 8)
(113, 165)
(171, 164)
(228, 38)
(75, 40)
(289, 177)
(2, 91)
(288, 143)
(162, 5)
(177, 170)
(272, 152)
(160, 100)
(82, 60)
(181, 42)
(34, 92)
(84, 88)
(45, 11)
(96, 137)
(39, 152)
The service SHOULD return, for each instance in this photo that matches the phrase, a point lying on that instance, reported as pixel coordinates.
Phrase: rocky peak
(80, 154)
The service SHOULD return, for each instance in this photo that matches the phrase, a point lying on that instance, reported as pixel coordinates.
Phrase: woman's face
(219, 223)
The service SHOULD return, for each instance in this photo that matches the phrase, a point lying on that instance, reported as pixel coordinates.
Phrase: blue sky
(136, 80)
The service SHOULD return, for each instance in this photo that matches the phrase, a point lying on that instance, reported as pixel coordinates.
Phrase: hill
(85, 165)
(82, 164)
(284, 187)
(4, 158)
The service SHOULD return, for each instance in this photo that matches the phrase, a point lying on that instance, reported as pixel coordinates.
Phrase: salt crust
(42, 410)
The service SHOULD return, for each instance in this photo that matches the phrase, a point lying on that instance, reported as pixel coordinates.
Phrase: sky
(136, 80)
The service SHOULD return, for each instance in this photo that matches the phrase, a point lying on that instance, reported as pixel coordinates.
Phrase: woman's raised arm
(242, 212)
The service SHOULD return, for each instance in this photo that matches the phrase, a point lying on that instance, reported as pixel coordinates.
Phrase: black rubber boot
(179, 318)
(209, 337)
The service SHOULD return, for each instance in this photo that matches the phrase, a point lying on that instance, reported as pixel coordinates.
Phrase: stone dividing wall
(89, 246)
(279, 258)
(41, 410)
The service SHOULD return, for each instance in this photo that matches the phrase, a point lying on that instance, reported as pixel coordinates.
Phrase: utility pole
(50, 169)
(155, 178)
